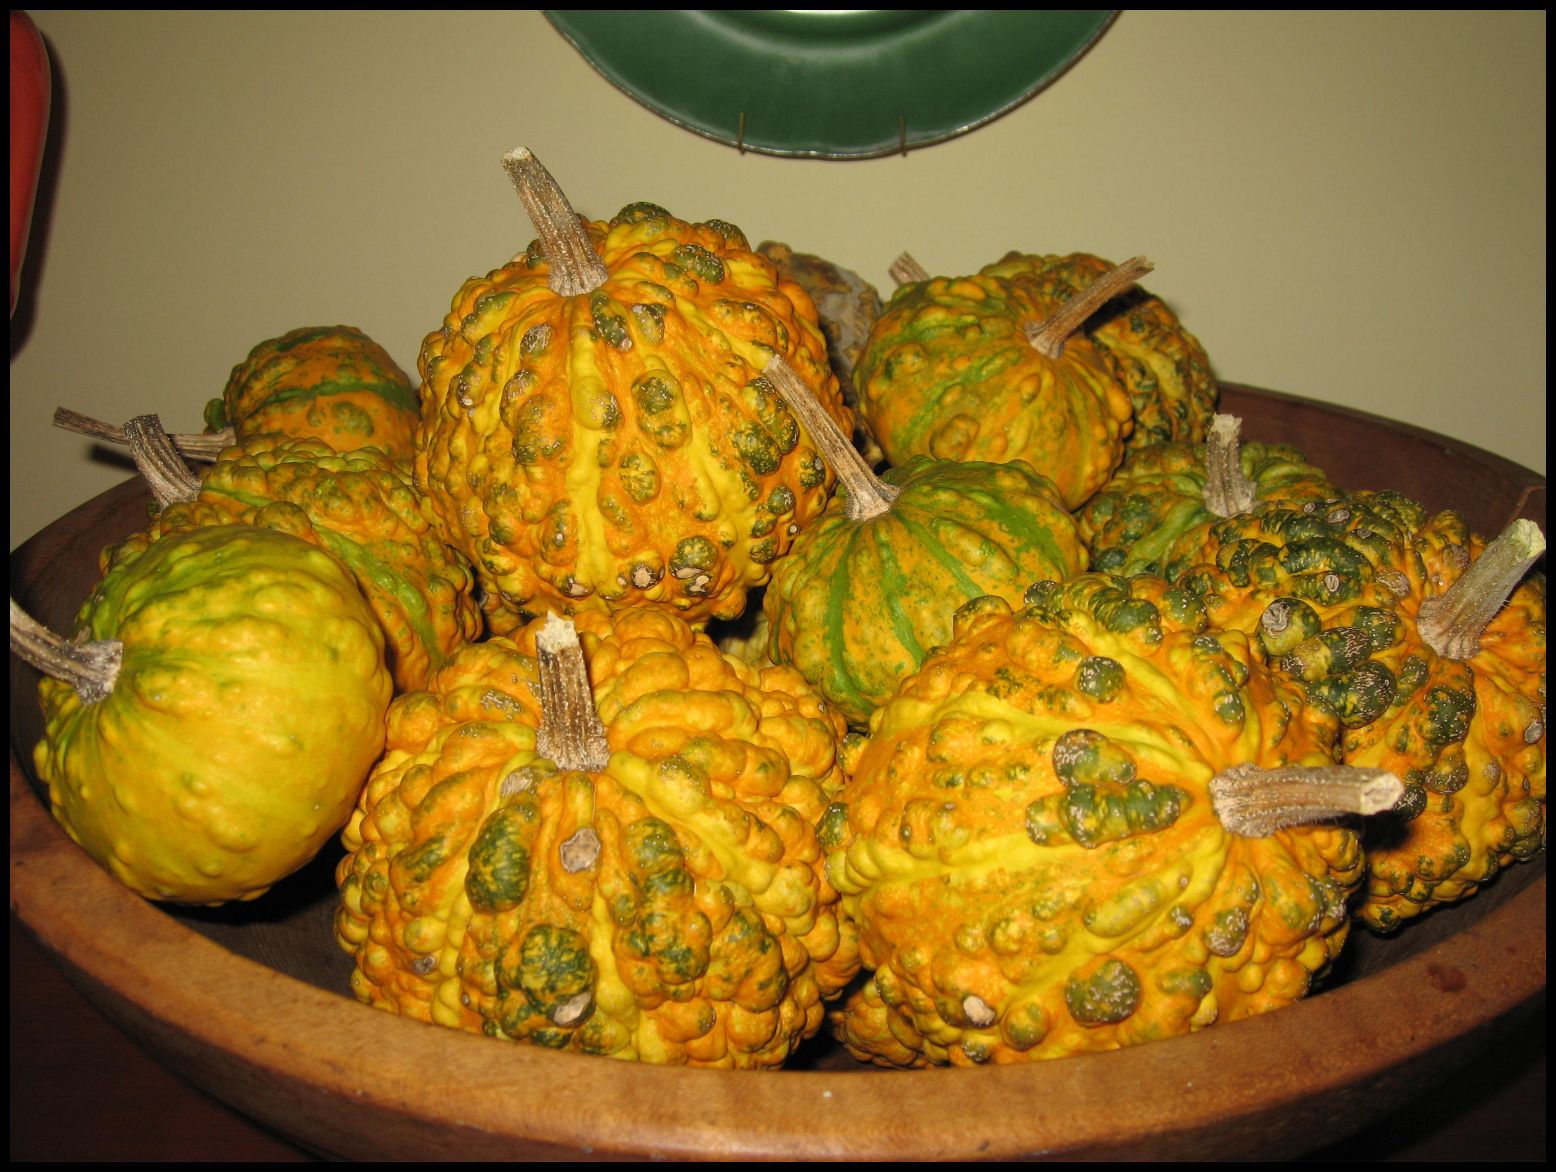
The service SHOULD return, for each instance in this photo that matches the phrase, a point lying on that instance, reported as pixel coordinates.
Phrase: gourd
(1090, 823)
(596, 430)
(599, 836)
(1337, 596)
(1161, 365)
(868, 589)
(847, 305)
(984, 368)
(359, 505)
(1156, 513)
(214, 721)
(331, 383)
(1465, 727)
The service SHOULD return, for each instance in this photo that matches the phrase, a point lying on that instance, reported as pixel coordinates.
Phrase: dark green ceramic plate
(836, 84)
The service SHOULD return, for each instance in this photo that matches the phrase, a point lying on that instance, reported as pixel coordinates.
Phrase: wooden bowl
(252, 1002)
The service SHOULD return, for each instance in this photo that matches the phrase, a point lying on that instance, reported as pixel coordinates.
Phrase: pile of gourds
(687, 670)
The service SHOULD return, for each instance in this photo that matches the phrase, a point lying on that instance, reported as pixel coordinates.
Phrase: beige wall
(1349, 206)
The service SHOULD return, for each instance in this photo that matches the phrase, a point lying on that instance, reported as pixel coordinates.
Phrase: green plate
(834, 84)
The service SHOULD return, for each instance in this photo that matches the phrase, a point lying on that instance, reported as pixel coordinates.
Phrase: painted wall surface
(1344, 205)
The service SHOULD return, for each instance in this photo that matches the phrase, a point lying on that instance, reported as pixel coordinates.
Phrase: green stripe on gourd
(332, 383)
(360, 506)
(872, 585)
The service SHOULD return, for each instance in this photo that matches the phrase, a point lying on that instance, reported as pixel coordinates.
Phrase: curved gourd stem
(194, 447)
(1451, 623)
(571, 732)
(1228, 492)
(868, 495)
(159, 463)
(90, 667)
(575, 267)
(1252, 801)
(905, 270)
(1048, 337)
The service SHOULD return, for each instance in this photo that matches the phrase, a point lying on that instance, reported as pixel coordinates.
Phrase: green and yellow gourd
(1156, 514)
(596, 431)
(359, 505)
(330, 383)
(621, 863)
(872, 586)
(213, 724)
(1162, 366)
(983, 368)
(1086, 824)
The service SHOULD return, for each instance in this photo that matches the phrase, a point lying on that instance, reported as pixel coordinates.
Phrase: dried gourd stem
(1252, 801)
(575, 267)
(868, 495)
(1451, 623)
(1048, 337)
(905, 270)
(159, 463)
(194, 447)
(570, 733)
(90, 667)
(1228, 491)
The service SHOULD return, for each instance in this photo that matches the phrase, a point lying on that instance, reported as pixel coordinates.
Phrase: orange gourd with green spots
(659, 898)
(599, 434)
(1041, 844)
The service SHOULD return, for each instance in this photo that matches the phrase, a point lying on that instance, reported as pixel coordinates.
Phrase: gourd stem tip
(1228, 490)
(571, 732)
(1452, 623)
(1253, 801)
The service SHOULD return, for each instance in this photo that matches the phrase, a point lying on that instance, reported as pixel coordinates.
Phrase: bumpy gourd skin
(1466, 737)
(248, 710)
(331, 383)
(670, 908)
(621, 448)
(857, 603)
(949, 373)
(1028, 845)
(1162, 366)
(1151, 517)
(362, 507)
(1350, 550)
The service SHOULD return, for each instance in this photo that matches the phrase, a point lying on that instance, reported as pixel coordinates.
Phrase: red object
(29, 129)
